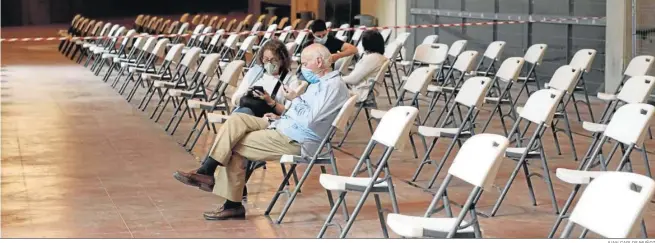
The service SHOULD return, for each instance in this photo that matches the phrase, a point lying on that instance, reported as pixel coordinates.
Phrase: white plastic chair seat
(377, 114)
(109, 55)
(179, 92)
(86, 44)
(295, 58)
(404, 78)
(295, 159)
(406, 63)
(98, 50)
(163, 84)
(441, 132)
(518, 152)
(345, 183)
(435, 88)
(606, 96)
(128, 64)
(415, 227)
(577, 177)
(593, 127)
(152, 76)
(138, 69)
(223, 64)
(495, 100)
(216, 118)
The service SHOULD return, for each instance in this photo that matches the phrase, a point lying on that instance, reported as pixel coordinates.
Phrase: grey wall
(563, 40)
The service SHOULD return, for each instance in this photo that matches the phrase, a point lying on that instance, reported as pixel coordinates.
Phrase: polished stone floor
(78, 161)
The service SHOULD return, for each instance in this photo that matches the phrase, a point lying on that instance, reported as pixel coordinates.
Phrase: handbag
(257, 105)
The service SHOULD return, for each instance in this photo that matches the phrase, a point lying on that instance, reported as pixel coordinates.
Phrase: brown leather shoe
(191, 178)
(225, 214)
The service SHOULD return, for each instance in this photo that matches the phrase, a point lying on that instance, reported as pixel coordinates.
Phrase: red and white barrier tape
(297, 31)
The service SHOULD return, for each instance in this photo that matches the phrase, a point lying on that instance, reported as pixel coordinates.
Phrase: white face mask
(321, 41)
(270, 68)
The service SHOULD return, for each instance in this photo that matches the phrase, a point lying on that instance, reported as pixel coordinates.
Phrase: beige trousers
(245, 136)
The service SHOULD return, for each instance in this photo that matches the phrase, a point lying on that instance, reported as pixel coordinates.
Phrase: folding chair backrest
(401, 38)
(149, 44)
(231, 73)
(639, 65)
(564, 79)
(291, 47)
(247, 19)
(175, 53)
(637, 89)
(472, 92)
(198, 29)
(183, 28)
(494, 49)
(239, 27)
(431, 53)
(535, 54)
(196, 19)
(209, 65)
(300, 39)
(248, 43)
(256, 27)
(97, 30)
(358, 34)
(105, 30)
(213, 21)
(341, 33)
(344, 114)
(220, 23)
(114, 29)
(386, 33)
(418, 79)
(392, 50)
(164, 26)
(464, 61)
(217, 37)
(630, 123)
(510, 69)
(309, 24)
(379, 77)
(283, 22)
(272, 21)
(583, 59)
(230, 25)
(127, 40)
(541, 106)
(343, 63)
(295, 23)
(430, 39)
(328, 24)
(270, 31)
(184, 18)
(285, 34)
(231, 41)
(205, 32)
(479, 159)
(394, 126)
(190, 59)
(172, 28)
(457, 48)
(160, 48)
(613, 204)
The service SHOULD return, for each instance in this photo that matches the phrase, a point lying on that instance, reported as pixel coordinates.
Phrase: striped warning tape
(297, 31)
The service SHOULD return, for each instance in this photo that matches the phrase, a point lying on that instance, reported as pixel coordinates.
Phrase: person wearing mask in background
(337, 48)
(362, 76)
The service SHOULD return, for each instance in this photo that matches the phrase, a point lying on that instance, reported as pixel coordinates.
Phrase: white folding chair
(323, 157)
(149, 66)
(164, 73)
(490, 57)
(582, 60)
(539, 109)
(612, 205)
(341, 33)
(470, 96)
(476, 163)
(391, 133)
(508, 73)
(533, 57)
(430, 39)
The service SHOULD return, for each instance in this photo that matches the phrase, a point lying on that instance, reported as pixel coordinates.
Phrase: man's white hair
(314, 51)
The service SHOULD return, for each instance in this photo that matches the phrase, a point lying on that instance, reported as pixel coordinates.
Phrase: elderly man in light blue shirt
(242, 136)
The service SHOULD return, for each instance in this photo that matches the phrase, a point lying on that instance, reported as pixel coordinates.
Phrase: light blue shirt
(310, 115)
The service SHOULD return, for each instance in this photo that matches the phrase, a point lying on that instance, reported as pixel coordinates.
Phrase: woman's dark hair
(372, 41)
(278, 49)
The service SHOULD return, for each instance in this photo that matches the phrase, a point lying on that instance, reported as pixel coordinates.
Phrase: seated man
(244, 136)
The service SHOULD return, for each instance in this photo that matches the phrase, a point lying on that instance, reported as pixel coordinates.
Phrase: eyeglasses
(266, 60)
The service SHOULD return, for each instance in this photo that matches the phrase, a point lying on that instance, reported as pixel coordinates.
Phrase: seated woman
(363, 75)
(273, 64)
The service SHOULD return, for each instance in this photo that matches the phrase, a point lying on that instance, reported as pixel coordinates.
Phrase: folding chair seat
(430, 39)
(164, 73)
(471, 96)
(628, 129)
(612, 205)
(342, 34)
(103, 56)
(451, 82)
(533, 57)
(216, 102)
(391, 133)
(322, 156)
(174, 90)
(540, 110)
(490, 57)
(197, 90)
(508, 72)
(476, 163)
(188, 63)
(150, 65)
(415, 85)
(364, 106)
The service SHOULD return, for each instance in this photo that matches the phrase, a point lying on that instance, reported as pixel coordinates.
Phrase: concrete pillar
(618, 41)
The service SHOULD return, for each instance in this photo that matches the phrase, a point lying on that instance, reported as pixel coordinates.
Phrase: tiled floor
(79, 161)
